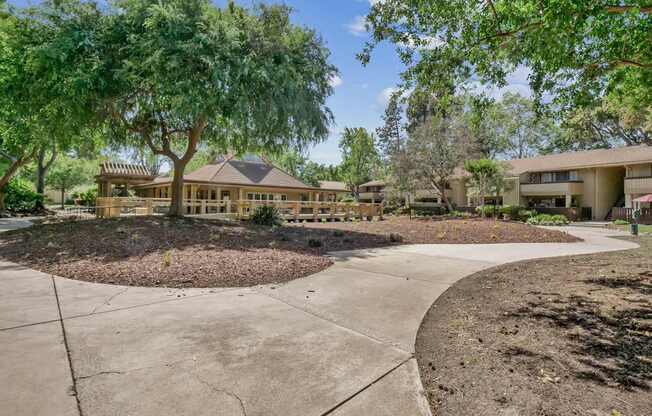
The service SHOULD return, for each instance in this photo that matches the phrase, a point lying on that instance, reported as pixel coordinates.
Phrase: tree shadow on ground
(611, 343)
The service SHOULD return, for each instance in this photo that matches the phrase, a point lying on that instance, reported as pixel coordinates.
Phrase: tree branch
(625, 9)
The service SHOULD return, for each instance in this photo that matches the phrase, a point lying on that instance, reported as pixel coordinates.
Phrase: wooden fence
(239, 209)
(627, 213)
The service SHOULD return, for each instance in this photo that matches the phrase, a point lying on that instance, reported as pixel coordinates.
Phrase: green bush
(19, 196)
(459, 214)
(621, 222)
(526, 214)
(86, 198)
(547, 219)
(489, 210)
(266, 215)
(511, 211)
(314, 243)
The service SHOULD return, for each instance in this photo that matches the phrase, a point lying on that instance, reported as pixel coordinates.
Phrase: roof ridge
(269, 162)
(227, 159)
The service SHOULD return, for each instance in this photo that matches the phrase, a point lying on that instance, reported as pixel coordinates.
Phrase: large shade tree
(576, 48)
(179, 74)
(37, 115)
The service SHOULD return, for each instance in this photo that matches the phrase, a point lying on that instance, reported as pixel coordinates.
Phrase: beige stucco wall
(609, 188)
(511, 194)
(588, 189)
(457, 193)
(638, 171)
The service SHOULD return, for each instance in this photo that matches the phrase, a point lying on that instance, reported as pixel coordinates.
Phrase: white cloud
(385, 95)
(335, 81)
(358, 27)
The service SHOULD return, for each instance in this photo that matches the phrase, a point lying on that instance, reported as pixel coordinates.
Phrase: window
(257, 196)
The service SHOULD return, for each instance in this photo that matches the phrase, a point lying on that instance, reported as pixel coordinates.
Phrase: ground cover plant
(563, 336)
(162, 251)
(427, 230)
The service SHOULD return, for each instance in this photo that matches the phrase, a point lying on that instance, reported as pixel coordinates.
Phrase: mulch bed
(188, 252)
(564, 336)
(453, 231)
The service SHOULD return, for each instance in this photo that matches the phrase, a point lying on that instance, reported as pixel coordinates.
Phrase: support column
(569, 200)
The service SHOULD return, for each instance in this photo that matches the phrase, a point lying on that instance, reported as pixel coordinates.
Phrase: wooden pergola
(120, 176)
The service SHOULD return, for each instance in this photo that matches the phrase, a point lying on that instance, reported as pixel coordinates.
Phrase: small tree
(65, 175)
(485, 175)
(436, 150)
(359, 158)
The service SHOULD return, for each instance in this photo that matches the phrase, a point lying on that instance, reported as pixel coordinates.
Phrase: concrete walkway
(340, 342)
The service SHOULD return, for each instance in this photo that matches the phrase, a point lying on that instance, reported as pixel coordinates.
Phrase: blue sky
(361, 93)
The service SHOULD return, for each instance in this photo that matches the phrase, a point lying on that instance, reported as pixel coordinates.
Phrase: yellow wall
(639, 171)
(609, 185)
(511, 194)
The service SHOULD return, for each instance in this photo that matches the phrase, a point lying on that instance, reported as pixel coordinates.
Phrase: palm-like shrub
(266, 215)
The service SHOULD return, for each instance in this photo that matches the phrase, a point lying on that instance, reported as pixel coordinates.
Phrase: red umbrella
(645, 198)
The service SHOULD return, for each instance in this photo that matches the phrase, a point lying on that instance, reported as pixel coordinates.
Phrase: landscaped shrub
(266, 215)
(395, 238)
(488, 210)
(314, 243)
(510, 211)
(621, 222)
(86, 198)
(20, 197)
(459, 214)
(547, 219)
(338, 233)
(526, 214)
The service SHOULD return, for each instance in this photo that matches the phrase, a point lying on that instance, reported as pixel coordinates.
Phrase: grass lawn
(565, 336)
(642, 228)
(161, 251)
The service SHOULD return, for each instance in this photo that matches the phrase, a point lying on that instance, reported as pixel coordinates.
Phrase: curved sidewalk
(339, 342)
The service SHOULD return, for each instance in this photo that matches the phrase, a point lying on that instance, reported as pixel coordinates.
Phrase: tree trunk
(63, 199)
(3, 208)
(9, 173)
(42, 167)
(176, 205)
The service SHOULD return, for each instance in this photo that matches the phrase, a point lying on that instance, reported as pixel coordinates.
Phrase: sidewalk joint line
(314, 314)
(356, 394)
(67, 346)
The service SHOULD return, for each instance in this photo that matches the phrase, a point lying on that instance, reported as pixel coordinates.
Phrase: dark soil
(447, 231)
(565, 336)
(160, 251)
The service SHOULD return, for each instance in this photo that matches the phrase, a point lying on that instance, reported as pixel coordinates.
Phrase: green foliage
(87, 198)
(68, 173)
(621, 222)
(487, 210)
(20, 197)
(547, 219)
(299, 166)
(180, 74)
(266, 215)
(574, 49)
(360, 158)
(487, 177)
(314, 243)
(459, 214)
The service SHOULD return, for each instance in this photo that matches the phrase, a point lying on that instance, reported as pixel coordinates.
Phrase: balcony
(552, 188)
(640, 185)
(368, 196)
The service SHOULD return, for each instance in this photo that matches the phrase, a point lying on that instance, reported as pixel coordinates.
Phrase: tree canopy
(575, 49)
(360, 159)
(182, 73)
